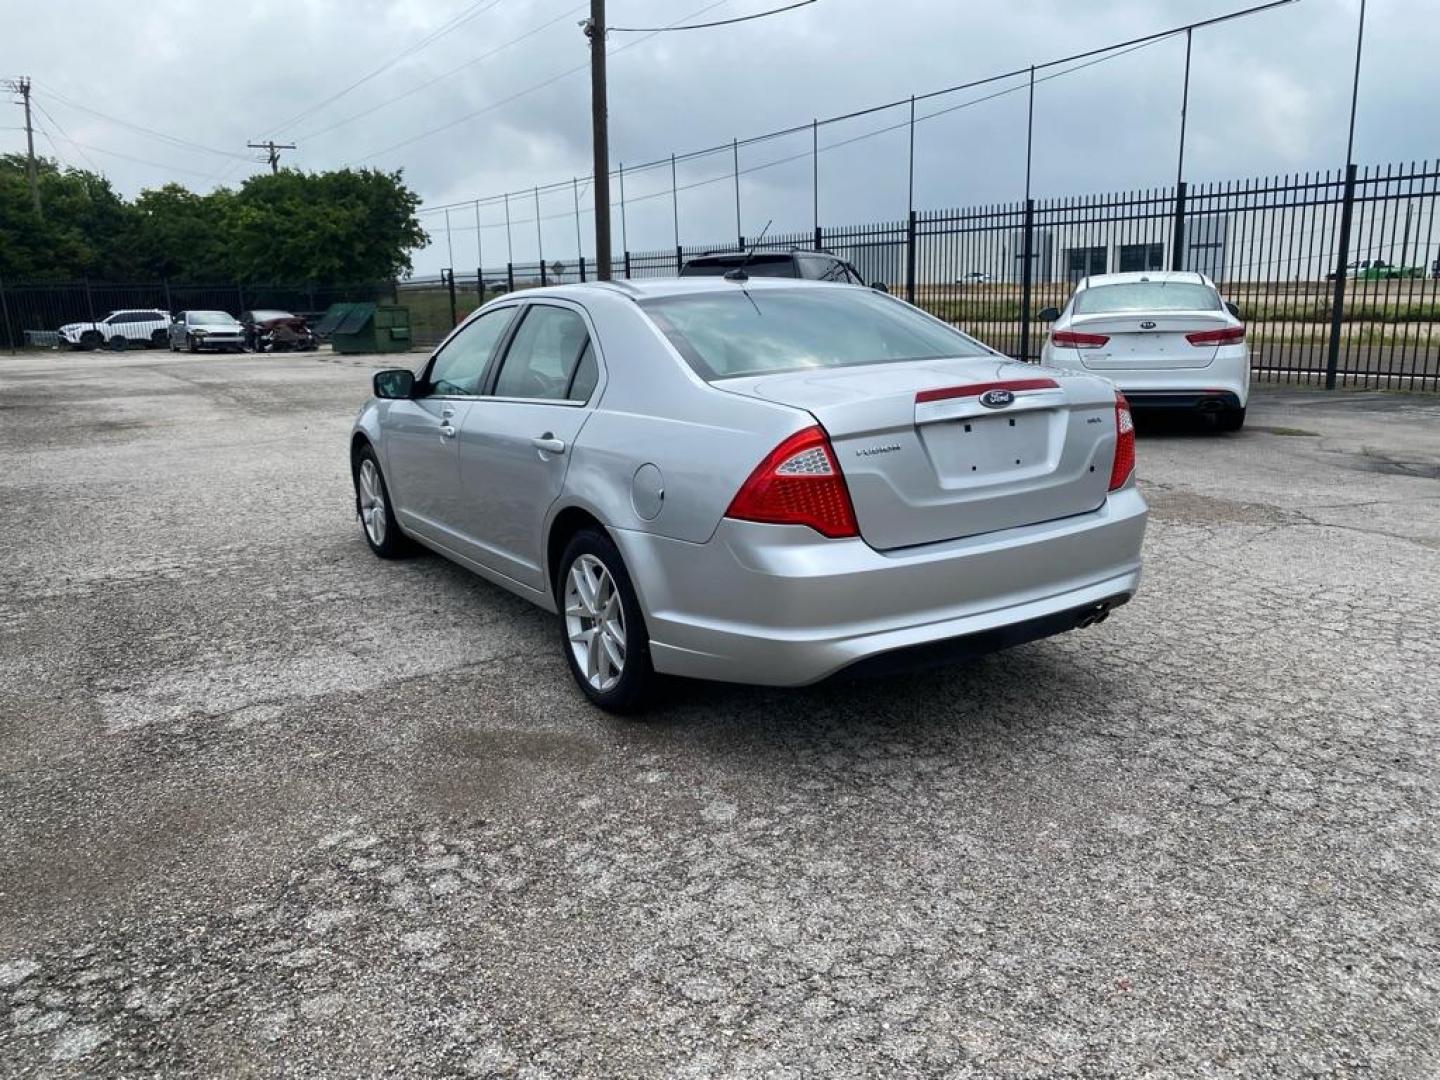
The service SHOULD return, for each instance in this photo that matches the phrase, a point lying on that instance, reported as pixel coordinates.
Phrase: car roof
(1130, 277)
(651, 288)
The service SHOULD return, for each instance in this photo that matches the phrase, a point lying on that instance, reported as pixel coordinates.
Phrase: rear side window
(1146, 296)
(758, 266)
(754, 332)
(544, 354)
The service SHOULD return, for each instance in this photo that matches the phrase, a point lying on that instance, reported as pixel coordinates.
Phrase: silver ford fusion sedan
(754, 480)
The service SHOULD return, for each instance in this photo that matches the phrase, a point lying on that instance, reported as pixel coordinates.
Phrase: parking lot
(269, 804)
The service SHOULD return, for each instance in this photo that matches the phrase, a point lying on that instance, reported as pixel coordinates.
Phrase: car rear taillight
(1124, 443)
(1226, 335)
(798, 483)
(1073, 339)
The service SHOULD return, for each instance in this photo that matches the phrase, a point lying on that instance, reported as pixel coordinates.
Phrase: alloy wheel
(595, 622)
(372, 502)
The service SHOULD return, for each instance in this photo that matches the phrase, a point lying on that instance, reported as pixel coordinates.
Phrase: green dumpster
(366, 328)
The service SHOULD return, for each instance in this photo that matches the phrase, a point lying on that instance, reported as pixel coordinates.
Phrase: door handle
(447, 431)
(548, 444)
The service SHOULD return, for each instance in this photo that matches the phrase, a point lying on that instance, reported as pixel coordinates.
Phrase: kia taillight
(1226, 335)
(1124, 443)
(1073, 339)
(798, 483)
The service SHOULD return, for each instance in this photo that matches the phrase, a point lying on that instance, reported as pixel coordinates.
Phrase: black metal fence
(1337, 273)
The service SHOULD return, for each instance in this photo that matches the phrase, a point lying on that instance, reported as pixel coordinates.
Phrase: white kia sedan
(1166, 339)
(753, 479)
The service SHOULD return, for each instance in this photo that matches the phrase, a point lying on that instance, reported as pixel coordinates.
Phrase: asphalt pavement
(271, 806)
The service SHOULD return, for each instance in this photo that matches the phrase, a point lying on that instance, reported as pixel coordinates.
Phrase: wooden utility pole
(272, 151)
(600, 137)
(21, 86)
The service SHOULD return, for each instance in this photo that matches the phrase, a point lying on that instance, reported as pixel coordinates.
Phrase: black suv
(811, 265)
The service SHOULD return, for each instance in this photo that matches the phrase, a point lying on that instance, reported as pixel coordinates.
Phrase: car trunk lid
(926, 459)
(1138, 342)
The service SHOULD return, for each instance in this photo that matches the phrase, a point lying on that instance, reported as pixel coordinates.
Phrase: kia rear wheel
(602, 629)
(1230, 419)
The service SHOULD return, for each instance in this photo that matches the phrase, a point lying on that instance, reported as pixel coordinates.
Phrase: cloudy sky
(481, 98)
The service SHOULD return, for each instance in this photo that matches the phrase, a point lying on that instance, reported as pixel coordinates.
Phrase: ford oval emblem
(1147, 325)
(997, 399)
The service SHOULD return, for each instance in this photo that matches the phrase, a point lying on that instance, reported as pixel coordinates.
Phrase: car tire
(190, 345)
(1232, 419)
(373, 508)
(589, 637)
(119, 343)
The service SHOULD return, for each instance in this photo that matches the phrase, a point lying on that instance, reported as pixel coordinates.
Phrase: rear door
(516, 441)
(928, 456)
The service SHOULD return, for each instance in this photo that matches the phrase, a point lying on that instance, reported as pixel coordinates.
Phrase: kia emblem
(1147, 325)
(997, 399)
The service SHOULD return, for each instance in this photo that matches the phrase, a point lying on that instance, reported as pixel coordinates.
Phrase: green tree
(344, 226)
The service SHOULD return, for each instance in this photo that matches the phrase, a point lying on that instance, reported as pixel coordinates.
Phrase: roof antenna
(738, 274)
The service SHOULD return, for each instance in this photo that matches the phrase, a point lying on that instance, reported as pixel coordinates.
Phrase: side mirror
(1234, 309)
(879, 286)
(1049, 314)
(394, 383)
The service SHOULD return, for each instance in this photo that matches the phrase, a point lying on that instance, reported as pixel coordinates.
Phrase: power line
(1117, 48)
(568, 13)
(66, 136)
(522, 93)
(137, 160)
(173, 140)
(706, 25)
(473, 11)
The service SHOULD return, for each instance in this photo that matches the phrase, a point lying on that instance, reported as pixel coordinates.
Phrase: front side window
(1146, 296)
(544, 355)
(461, 364)
(723, 335)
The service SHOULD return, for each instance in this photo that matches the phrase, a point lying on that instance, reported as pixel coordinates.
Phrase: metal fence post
(1177, 253)
(679, 258)
(509, 277)
(543, 281)
(1027, 278)
(1342, 258)
(910, 257)
(480, 283)
(5, 311)
(819, 241)
(582, 267)
(627, 264)
(240, 293)
(169, 303)
(89, 300)
(450, 284)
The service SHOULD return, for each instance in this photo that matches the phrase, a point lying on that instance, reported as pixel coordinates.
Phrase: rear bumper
(781, 606)
(1225, 381)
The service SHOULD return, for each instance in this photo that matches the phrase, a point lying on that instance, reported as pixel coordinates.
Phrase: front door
(515, 444)
(422, 465)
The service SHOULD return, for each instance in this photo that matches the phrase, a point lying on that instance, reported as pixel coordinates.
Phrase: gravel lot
(269, 805)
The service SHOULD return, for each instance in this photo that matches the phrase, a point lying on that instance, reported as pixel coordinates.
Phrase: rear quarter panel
(655, 410)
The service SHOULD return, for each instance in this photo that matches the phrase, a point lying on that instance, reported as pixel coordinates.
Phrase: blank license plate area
(979, 447)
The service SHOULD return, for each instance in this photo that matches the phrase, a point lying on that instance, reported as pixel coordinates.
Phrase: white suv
(146, 327)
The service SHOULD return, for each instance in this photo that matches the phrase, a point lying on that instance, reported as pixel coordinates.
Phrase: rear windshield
(1147, 296)
(759, 266)
(741, 332)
